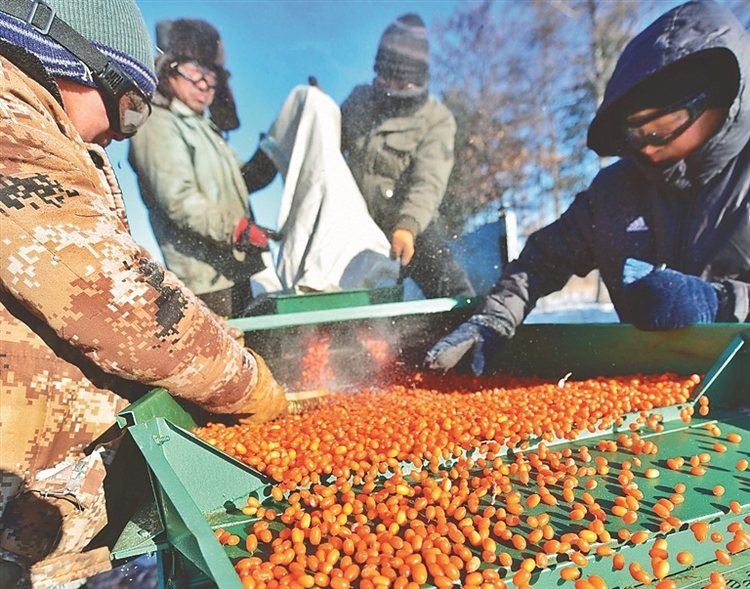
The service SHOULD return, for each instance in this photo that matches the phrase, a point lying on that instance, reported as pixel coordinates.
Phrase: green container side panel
(143, 534)
(158, 403)
(403, 309)
(729, 378)
(543, 350)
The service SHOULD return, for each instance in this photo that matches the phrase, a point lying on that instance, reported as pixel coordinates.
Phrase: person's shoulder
(362, 95)
(435, 111)
(620, 177)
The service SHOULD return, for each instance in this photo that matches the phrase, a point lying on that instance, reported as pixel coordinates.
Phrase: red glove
(249, 237)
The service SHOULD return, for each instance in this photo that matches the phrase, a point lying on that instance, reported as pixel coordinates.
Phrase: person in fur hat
(190, 179)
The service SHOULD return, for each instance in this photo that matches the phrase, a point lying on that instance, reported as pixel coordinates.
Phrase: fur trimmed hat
(196, 40)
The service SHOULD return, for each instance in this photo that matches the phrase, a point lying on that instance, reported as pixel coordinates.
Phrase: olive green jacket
(401, 164)
(191, 184)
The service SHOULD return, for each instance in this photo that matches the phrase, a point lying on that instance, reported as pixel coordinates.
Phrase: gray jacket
(402, 163)
(191, 183)
(693, 216)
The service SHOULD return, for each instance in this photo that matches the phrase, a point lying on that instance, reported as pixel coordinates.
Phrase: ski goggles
(127, 107)
(665, 124)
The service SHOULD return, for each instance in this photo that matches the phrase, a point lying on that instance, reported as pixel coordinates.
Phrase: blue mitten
(446, 353)
(660, 298)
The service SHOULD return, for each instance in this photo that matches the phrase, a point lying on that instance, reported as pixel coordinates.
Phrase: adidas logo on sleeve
(638, 224)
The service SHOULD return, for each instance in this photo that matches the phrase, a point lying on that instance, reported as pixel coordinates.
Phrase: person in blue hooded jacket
(667, 224)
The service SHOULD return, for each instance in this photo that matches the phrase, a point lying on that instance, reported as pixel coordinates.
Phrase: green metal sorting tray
(325, 301)
(198, 489)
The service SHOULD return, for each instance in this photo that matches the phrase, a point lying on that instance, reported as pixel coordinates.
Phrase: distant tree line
(524, 79)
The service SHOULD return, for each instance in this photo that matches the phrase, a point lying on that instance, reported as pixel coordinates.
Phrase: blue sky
(272, 46)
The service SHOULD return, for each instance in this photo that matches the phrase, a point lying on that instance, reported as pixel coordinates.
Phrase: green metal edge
(728, 369)
(157, 403)
(143, 534)
(187, 529)
(420, 307)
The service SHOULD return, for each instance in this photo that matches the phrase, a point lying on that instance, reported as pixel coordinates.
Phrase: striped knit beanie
(403, 51)
(115, 27)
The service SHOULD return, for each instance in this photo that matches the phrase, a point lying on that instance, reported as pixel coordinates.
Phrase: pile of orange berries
(452, 480)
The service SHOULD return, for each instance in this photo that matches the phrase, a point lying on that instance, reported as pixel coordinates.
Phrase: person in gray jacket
(398, 141)
(194, 185)
(668, 224)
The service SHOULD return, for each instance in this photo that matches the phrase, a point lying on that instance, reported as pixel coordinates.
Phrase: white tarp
(329, 241)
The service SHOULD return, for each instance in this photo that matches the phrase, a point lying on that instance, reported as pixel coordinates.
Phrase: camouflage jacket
(85, 315)
(401, 163)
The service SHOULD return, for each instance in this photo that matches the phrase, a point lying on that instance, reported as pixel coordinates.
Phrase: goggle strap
(42, 17)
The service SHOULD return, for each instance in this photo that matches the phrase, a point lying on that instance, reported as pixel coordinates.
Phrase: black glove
(251, 238)
(473, 334)
(660, 298)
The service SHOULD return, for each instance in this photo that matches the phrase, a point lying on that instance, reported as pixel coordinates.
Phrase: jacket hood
(685, 31)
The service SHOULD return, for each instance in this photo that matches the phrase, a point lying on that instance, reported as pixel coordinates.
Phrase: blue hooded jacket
(692, 215)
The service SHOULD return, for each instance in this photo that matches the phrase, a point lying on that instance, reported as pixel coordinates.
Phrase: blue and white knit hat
(115, 27)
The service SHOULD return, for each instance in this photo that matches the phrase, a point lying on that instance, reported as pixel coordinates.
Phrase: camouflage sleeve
(69, 259)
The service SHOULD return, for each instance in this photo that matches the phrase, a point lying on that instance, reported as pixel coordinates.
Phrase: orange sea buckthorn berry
(661, 568)
(723, 557)
(579, 558)
(742, 464)
(700, 531)
(618, 562)
(570, 573)
(718, 490)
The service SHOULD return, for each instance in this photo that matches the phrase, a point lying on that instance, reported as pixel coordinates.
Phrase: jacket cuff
(409, 223)
(496, 323)
(734, 301)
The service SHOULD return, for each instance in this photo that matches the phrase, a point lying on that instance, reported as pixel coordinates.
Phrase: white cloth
(329, 241)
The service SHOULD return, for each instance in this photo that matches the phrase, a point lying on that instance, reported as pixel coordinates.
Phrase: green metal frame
(198, 488)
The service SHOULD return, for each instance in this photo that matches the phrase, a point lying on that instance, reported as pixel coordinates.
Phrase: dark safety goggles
(194, 72)
(127, 107)
(665, 124)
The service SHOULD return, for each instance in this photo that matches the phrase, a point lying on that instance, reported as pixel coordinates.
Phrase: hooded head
(115, 27)
(196, 40)
(696, 47)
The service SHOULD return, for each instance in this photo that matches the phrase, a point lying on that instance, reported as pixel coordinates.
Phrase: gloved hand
(268, 400)
(448, 351)
(249, 237)
(660, 298)
(402, 246)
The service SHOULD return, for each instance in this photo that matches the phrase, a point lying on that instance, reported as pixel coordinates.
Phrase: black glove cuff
(499, 325)
(725, 295)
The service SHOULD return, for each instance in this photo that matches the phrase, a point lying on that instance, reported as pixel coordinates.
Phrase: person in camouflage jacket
(88, 320)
